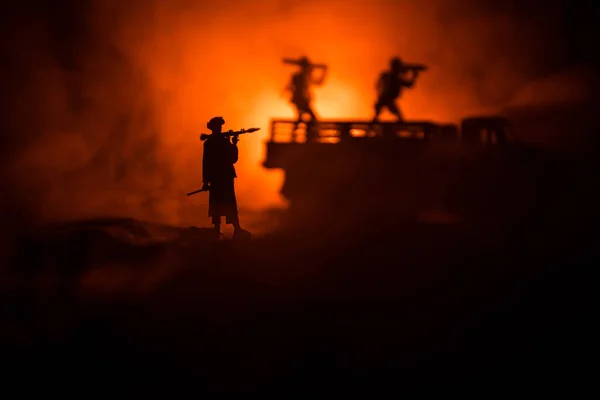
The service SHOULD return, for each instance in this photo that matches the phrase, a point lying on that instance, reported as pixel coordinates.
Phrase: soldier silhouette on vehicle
(299, 86)
(390, 85)
(218, 175)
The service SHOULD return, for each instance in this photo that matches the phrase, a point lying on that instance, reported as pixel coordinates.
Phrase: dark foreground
(132, 307)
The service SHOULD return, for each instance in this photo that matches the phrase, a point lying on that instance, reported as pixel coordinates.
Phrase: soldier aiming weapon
(299, 86)
(391, 83)
(230, 133)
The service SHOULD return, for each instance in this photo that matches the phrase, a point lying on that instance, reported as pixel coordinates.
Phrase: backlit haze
(111, 125)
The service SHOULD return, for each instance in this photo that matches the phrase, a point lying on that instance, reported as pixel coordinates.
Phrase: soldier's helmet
(396, 64)
(215, 123)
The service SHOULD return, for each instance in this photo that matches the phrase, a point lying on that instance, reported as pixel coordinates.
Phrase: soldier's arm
(409, 83)
(234, 153)
(206, 164)
(321, 79)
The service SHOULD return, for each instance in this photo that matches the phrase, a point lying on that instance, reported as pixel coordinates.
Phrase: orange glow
(178, 64)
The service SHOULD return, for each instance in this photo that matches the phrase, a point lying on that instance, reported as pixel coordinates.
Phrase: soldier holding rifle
(299, 86)
(218, 174)
(391, 83)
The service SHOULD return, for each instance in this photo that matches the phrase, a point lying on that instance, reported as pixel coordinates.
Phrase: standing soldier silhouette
(299, 86)
(390, 85)
(218, 174)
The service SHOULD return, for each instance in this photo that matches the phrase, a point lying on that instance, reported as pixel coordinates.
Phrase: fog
(106, 116)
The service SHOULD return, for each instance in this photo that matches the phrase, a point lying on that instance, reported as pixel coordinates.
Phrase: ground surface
(125, 305)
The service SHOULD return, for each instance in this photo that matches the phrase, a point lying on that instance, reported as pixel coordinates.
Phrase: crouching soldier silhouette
(390, 85)
(218, 174)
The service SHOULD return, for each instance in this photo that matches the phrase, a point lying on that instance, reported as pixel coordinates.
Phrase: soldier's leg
(311, 127)
(393, 107)
(300, 114)
(238, 232)
(231, 209)
(311, 113)
(233, 218)
(298, 120)
(217, 224)
(378, 108)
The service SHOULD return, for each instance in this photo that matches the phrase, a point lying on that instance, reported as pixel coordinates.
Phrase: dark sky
(65, 24)
(579, 18)
(581, 21)
(66, 20)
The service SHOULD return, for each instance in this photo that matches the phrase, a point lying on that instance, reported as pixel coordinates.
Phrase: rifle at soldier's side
(197, 191)
(205, 136)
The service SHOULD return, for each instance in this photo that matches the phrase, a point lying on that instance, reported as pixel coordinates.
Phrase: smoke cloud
(107, 101)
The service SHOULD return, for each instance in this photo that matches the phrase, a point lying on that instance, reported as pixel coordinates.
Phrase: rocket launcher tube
(299, 63)
(414, 67)
(205, 136)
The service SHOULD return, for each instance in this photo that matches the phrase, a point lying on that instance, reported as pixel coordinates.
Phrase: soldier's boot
(241, 234)
(217, 232)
